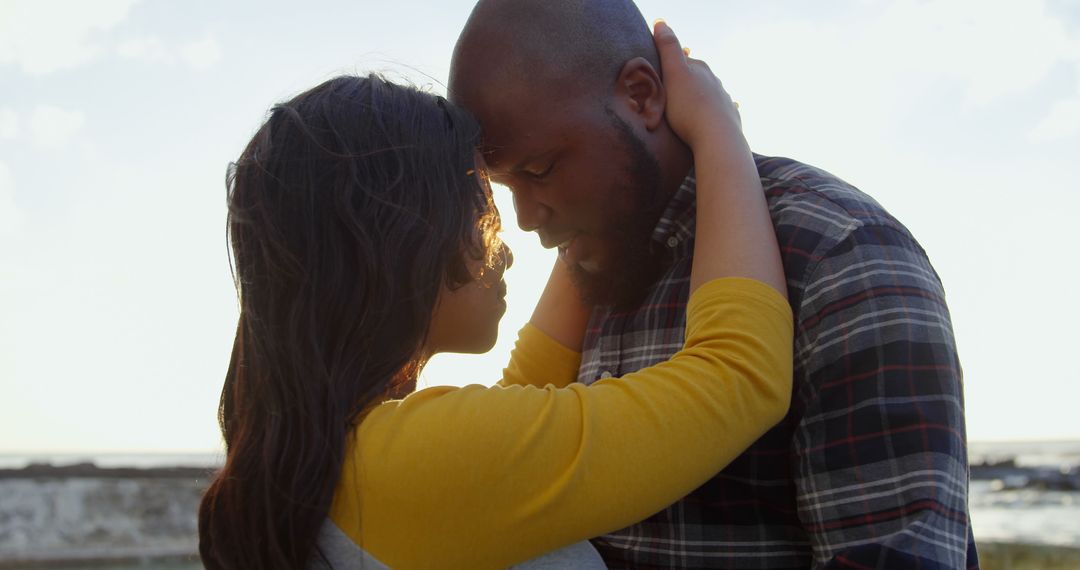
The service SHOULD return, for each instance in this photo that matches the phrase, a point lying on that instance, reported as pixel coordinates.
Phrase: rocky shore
(1008, 475)
(86, 513)
(91, 470)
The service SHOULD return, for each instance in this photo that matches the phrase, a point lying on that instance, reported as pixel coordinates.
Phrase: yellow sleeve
(539, 360)
(479, 477)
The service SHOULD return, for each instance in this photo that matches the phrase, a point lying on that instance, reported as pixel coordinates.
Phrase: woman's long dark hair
(348, 210)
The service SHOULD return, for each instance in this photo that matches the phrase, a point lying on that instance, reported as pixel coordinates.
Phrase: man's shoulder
(817, 204)
(800, 193)
(820, 219)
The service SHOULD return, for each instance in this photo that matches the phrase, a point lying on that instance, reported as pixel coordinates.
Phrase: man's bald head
(568, 46)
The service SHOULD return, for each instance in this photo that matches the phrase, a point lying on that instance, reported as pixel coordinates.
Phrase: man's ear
(641, 91)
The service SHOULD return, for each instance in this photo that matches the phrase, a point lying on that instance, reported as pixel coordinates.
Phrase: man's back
(869, 467)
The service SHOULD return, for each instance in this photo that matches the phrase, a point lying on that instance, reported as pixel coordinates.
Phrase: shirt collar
(676, 225)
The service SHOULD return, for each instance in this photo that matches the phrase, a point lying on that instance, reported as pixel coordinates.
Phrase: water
(1026, 514)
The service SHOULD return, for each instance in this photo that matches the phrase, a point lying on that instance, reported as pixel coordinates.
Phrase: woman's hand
(698, 107)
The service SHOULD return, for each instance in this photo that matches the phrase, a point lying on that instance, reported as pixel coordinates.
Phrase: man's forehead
(500, 158)
(513, 149)
(526, 131)
(511, 135)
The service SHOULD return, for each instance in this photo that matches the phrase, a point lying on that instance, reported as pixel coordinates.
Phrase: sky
(118, 119)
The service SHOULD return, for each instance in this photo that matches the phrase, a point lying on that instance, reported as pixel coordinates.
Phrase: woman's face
(466, 319)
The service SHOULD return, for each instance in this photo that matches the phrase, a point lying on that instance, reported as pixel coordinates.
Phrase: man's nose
(531, 213)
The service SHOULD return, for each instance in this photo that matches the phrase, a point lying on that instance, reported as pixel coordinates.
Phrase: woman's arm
(479, 477)
(735, 236)
(539, 360)
(560, 313)
(547, 350)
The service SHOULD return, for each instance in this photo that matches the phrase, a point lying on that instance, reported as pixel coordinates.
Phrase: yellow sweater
(485, 477)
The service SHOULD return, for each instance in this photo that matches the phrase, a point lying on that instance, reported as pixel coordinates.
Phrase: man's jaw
(615, 270)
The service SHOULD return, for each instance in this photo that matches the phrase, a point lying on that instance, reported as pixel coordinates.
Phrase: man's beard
(634, 262)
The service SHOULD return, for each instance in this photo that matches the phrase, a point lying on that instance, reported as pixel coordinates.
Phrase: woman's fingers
(695, 96)
(667, 44)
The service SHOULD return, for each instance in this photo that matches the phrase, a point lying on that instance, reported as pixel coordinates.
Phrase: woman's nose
(507, 257)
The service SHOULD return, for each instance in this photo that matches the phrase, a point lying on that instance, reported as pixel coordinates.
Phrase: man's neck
(676, 160)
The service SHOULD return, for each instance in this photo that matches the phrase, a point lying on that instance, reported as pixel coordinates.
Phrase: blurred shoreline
(125, 511)
(71, 515)
(90, 470)
(10, 461)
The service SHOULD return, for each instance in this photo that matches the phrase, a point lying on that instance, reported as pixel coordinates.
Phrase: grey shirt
(340, 553)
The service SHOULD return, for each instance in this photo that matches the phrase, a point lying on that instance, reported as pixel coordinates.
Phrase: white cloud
(43, 36)
(1062, 122)
(9, 124)
(149, 49)
(53, 127)
(972, 40)
(873, 62)
(198, 55)
(202, 54)
(1063, 119)
(10, 215)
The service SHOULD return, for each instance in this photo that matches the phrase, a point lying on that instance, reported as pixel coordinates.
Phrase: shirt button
(605, 374)
(672, 241)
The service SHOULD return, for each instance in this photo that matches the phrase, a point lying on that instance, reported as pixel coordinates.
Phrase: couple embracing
(738, 361)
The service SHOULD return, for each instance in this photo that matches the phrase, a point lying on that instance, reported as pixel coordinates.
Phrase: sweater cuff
(539, 360)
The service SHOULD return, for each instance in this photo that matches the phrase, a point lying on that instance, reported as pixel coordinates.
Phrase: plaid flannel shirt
(869, 468)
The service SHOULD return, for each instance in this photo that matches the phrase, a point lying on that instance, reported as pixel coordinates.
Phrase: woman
(364, 243)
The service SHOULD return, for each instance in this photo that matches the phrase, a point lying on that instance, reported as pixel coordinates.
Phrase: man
(869, 468)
